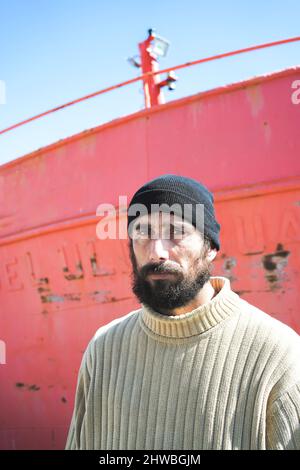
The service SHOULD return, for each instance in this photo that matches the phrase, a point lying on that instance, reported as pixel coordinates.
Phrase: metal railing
(145, 75)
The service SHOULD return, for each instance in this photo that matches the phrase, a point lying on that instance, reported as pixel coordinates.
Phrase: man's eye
(143, 230)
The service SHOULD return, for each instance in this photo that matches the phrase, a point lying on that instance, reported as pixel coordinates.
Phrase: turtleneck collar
(223, 305)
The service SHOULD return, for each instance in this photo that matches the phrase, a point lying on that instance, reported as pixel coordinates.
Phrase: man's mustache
(159, 268)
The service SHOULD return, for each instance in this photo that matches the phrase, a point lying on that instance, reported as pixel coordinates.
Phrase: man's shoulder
(261, 320)
(117, 325)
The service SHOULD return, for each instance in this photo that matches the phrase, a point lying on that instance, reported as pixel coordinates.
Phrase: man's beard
(162, 295)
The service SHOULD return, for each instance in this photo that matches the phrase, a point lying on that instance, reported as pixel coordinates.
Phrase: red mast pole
(152, 89)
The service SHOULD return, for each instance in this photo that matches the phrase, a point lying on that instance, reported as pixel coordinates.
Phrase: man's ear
(211, 254)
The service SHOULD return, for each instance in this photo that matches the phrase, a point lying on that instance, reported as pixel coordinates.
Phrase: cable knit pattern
(223, 376)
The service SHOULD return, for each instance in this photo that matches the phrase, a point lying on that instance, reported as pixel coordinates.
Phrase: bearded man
(196, 367)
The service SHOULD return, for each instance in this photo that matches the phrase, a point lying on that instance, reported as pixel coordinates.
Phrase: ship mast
(151, 48)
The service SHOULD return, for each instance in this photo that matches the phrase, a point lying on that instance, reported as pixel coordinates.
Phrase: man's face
(171, 262)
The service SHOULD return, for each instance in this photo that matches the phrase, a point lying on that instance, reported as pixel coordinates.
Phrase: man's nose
(158, 250)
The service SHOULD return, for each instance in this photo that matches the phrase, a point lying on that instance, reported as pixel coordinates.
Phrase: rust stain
(51, 298)
(253, 253)
(47, 296)
(274, 264)
(100, 295)
(60, 298)
(228, 265)
(96, 270)
(32, 388)
(72, 276)
(20, 385)
(93, 260)
(76, 297)
(42, 289)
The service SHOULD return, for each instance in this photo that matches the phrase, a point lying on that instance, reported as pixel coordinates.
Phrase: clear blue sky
(53, 51)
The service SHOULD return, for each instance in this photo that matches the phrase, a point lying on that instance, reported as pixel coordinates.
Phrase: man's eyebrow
(183, 227)
(173, 224)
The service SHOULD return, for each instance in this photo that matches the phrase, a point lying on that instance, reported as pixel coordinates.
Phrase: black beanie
(173, 189)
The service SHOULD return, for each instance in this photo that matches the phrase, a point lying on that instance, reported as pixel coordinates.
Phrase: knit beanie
(181, 192)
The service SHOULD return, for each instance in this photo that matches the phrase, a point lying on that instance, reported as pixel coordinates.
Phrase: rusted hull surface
(59, 282)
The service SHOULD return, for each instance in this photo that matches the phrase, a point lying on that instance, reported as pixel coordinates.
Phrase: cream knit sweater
(223, 376)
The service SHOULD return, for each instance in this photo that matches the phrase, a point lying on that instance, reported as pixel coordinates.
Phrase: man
(196, 367)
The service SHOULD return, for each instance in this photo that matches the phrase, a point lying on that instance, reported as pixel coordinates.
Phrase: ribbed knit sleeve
(77, 429)
(283, 421)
